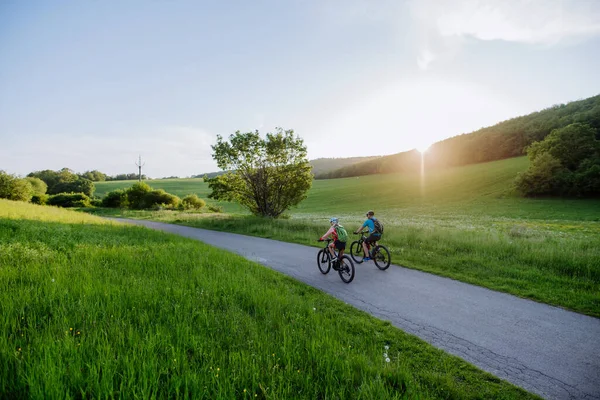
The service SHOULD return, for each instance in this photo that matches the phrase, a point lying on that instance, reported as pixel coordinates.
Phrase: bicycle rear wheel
(382, 258)
(357, 252)
(323, 261)
(346, 270)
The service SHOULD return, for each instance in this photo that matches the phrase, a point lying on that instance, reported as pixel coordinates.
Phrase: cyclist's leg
(341, 248)
(365, 248)
(331, 250)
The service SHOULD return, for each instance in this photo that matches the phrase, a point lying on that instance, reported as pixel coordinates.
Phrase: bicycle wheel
(346, 270)
(382, 257)
(357, 252)
(323, 261)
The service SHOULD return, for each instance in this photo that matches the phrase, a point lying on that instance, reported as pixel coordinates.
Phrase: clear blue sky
(91, 84)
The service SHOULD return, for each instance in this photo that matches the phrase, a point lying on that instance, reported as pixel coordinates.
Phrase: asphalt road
(546, 350)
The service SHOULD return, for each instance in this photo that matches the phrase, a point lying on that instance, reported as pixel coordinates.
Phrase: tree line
(504, 140)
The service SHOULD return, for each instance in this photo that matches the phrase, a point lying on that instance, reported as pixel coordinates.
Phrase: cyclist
(374, 234)
(339, 235)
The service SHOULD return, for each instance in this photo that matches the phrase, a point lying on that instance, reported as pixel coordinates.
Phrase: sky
(92, 84)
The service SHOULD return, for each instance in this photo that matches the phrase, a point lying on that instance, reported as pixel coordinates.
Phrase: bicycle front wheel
(357, 252)
(346, 270)
(382, 257)
(323, 261)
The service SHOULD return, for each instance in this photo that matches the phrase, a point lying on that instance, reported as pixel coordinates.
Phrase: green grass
(463, 223)
(94, 309)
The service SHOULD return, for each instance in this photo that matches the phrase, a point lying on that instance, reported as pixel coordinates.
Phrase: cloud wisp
(535, 22)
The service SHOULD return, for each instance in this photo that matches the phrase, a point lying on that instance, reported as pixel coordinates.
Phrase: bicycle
(344, 267)
(380, 254)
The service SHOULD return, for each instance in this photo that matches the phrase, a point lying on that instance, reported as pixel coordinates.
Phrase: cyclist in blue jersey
(374, 234)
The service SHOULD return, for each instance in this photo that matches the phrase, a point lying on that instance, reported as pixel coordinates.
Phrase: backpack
(341, 233)
(378, 226)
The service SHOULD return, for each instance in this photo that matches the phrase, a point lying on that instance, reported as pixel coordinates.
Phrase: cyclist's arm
(329, 232)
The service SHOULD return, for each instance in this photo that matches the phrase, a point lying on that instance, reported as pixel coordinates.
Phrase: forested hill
(325, 165)
(503, 140)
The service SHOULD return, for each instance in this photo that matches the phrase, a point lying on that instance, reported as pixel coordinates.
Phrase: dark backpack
(378, 226)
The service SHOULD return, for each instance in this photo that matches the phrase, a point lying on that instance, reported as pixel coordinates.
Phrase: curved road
(546, 350)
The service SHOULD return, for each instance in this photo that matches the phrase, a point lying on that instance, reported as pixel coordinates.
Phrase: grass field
(95, 309)
(463, 223)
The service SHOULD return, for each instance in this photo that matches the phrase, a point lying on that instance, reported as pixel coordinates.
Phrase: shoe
(334, 259)
(367, 259)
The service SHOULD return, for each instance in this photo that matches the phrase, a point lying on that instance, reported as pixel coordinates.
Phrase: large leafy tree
(566, 162)
(267, 175)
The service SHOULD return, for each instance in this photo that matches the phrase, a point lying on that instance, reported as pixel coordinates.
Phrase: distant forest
(504, 140)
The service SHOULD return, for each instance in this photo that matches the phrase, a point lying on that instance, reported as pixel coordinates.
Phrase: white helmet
(333, 220)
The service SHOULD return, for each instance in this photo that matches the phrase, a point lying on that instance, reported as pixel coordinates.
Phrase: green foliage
(270, 175)
(64, 181)
(95, 176)
(115, 199)
(160, 198)
(80, 185)
(40, 199)
(215, 208)
(39, 186)
(136, 195)
(94, 309)
(192, 201)
(566, 162)
(14, 188)
(69, 200)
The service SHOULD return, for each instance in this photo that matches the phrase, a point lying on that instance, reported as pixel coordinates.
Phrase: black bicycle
(380, 254)
(344, 267)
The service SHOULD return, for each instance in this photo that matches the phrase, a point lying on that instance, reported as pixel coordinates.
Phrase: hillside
(326, 165)
(504, 140)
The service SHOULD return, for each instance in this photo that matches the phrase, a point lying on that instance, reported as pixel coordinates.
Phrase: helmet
(333, 220)
(370, 213)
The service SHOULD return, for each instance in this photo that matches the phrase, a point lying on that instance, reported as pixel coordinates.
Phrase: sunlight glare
(423, 148)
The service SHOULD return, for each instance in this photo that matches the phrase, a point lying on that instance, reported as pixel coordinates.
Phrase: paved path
(545, 350)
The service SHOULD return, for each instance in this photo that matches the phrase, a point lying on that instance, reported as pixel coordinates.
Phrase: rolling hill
(504, 140)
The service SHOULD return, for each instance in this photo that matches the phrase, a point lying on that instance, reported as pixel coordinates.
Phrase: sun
(423, 148)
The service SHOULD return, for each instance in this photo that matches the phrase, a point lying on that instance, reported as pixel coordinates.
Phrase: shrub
(69, 200)
(136, 195)
(160, 198)
(38, 185)
(40, 199)
(192, 201)
(215, 209)
(80, 185)
(14, 188)
(96, 202)
(115, 199)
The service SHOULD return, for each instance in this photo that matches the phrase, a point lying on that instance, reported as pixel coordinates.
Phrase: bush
(80, 185)
(13, 188)
(192, 201)
(38, 185)
(115, 199)
(96, 202)
(160, 198)
(40, 199)
(215, 209)
(136, 195)
(69, 200)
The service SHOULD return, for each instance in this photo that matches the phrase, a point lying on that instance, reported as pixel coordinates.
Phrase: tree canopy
(267, 175)
(566, 162)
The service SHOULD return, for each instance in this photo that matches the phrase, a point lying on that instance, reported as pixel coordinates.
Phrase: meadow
(91, 308)
(464, 223)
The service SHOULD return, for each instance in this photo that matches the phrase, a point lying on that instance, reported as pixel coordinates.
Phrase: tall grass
(90, 308)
